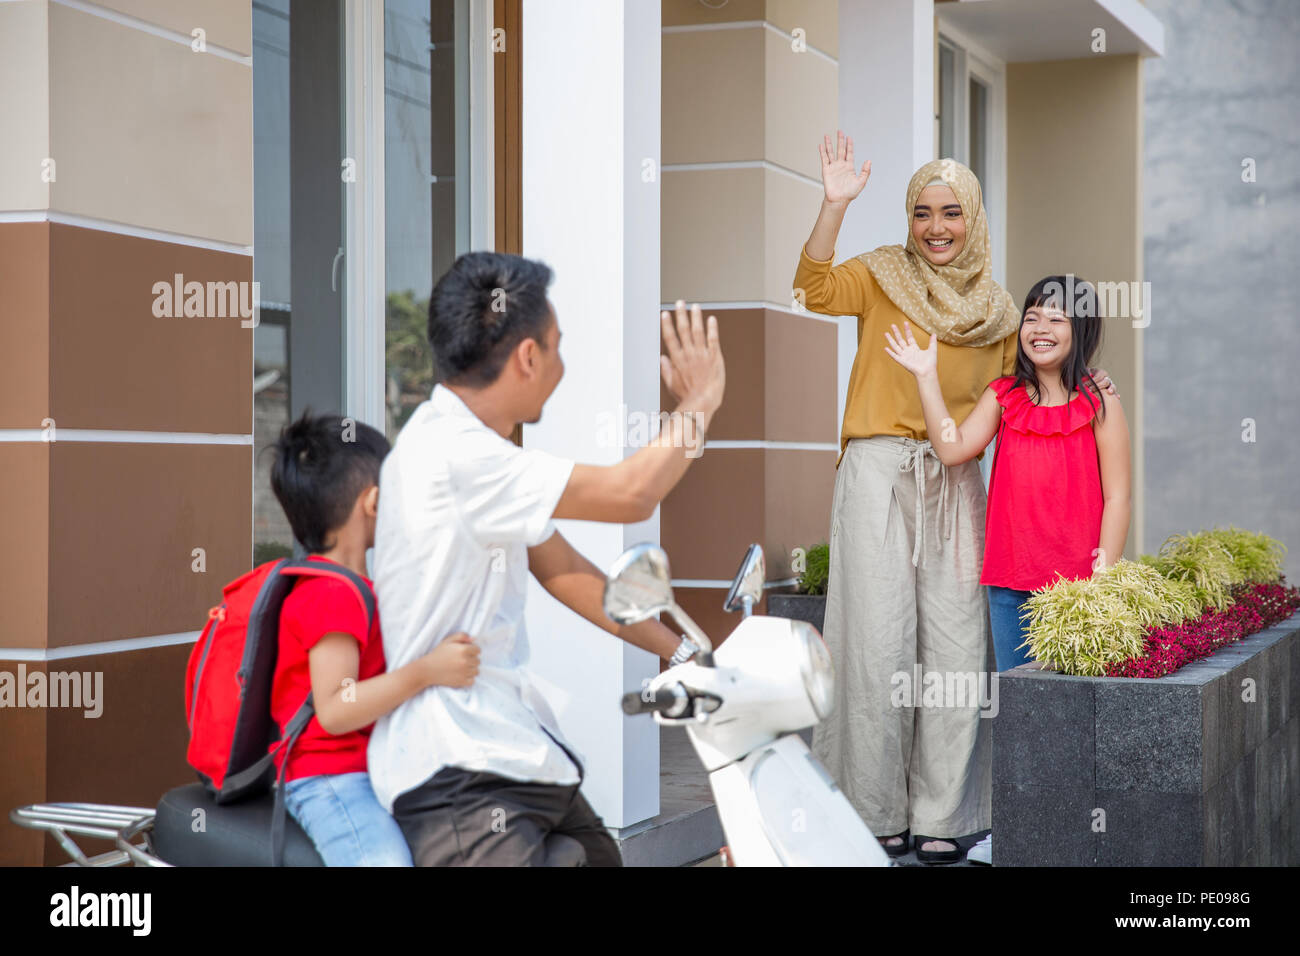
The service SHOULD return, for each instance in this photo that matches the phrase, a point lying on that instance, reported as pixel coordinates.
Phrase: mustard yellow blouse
(883, 398)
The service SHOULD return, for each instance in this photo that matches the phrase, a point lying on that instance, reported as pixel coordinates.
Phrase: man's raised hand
(693, 369)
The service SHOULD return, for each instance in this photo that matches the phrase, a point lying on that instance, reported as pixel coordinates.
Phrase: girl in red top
(1059, 491)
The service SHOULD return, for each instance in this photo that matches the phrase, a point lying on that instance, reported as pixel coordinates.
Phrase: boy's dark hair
(1077, 298)
(482, 307)
(321, 464)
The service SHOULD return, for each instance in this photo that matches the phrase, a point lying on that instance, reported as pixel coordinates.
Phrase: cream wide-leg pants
(906, 549)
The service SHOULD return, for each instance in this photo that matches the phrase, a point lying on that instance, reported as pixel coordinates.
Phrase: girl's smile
(1045, 336)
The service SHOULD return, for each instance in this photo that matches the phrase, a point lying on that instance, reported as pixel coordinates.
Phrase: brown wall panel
(135, 749)
(801, 372)
(24, 561)
(798, 489)
(130, 754)
(22, 773)
(714, 513)
(124, 519)
(780, 498)
(114, 364)
(744, 409)
(781, 375)
(24, 324)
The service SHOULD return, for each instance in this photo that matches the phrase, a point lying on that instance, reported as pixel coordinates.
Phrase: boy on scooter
(481, 775)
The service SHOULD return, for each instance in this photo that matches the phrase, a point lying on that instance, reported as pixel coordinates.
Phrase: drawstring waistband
(914, 460)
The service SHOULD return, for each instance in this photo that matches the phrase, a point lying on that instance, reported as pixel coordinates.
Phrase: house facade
(217, 213)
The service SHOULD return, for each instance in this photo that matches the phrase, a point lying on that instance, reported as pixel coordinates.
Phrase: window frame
(972, 60)
(364, 373)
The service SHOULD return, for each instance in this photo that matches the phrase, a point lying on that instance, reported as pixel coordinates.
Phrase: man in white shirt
(481, 775)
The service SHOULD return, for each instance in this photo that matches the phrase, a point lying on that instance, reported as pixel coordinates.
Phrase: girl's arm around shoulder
(1113, 458)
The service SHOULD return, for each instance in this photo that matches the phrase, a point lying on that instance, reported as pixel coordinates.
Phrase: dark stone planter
(799, 607)
(1181, 771)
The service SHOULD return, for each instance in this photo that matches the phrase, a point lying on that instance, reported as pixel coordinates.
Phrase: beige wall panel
(124, 520)
(148, 133)
(117, 365)
(1074, 198)
(24, 562)
(802, 105)
(24, 105)
(799, 378)
(820, 20)
(789, 212)
(713, 90)
(226, 23)
(711, 246)
(683, 12)
(24, 323)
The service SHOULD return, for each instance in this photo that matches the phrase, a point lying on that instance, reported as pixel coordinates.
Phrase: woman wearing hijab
(907, 533)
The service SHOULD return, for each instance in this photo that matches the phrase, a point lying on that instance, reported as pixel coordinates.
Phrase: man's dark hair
(321, 464)
(481, 309)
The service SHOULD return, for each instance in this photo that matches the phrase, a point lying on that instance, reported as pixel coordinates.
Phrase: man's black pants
(469, 818)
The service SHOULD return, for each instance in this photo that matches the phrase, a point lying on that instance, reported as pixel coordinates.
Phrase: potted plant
(808, 601)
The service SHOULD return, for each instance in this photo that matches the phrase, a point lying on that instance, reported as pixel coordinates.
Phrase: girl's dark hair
(1077, 298)
(481, 308)
(322, 463)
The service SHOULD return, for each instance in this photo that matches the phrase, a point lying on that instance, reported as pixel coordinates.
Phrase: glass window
(426, 182)
(947, 102)
(979, 129)
(297, 233)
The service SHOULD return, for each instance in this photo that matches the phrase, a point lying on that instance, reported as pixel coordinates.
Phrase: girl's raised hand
(841, 182)
(919, 361)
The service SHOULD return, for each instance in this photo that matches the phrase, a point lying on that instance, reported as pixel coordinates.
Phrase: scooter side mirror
(747, 588)
(639, 586)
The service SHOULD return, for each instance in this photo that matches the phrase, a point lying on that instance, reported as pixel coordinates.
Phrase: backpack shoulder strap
(318, 569)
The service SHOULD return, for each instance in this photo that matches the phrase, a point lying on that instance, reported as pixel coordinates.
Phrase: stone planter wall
(1185, 770)
(800, 607)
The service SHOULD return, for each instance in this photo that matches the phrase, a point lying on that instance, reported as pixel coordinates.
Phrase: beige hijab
(959, 302)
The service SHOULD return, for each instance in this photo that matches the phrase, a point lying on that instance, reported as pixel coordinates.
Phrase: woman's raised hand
(919, 361)
(839, 178)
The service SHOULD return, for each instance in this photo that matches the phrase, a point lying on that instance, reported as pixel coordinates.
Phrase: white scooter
(741, 707)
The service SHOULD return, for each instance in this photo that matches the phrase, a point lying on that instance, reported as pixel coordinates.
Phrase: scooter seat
(232, 834)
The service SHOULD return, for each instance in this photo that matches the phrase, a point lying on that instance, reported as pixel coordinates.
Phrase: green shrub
(1078, 627)
(1202, 561)
(817, 567)
(1258, 557)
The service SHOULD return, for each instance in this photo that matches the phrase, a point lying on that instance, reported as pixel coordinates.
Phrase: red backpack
(233, 738)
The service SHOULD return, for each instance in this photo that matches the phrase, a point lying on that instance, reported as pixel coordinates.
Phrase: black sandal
(938, 856)
(899, 850)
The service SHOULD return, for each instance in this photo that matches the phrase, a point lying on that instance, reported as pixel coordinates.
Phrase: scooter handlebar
(666, 700)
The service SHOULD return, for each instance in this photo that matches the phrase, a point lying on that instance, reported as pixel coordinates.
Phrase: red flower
(1166, 649)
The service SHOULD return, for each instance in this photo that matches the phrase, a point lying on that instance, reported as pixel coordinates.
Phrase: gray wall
(1220, 254)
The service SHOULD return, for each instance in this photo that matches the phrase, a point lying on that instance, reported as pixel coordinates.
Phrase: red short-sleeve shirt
(316, 607)
(1045, 501)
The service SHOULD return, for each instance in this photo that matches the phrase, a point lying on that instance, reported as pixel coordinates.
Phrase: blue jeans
(345, 820)
(1005, 608)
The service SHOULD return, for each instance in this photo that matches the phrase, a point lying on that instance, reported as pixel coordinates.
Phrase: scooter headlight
(816, 669)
